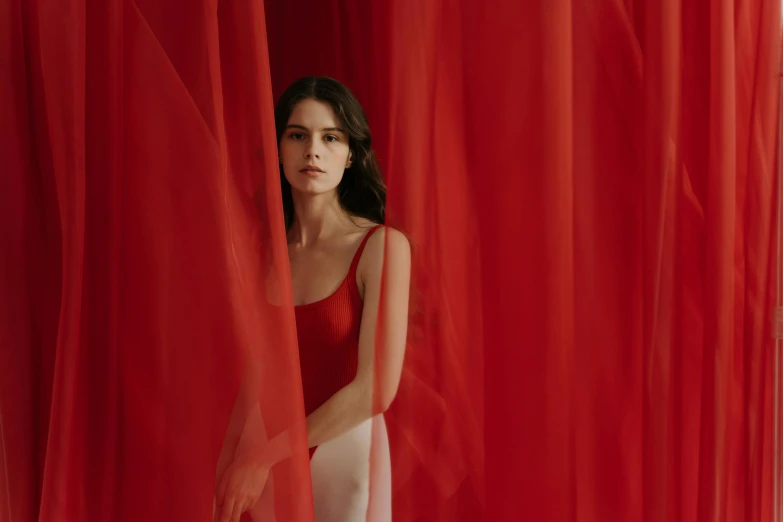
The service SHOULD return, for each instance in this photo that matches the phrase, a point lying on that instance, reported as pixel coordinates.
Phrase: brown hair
(361, 192)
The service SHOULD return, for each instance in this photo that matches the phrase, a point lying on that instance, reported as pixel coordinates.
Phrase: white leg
(380, 508)
(343, 487)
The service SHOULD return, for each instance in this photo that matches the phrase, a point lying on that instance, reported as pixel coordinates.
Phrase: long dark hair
(361, 192)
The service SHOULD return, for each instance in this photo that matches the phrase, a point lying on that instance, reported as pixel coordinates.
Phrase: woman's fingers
(221, 490)
(239, 508)
(227, 510)
(236, 504)
(239, 491)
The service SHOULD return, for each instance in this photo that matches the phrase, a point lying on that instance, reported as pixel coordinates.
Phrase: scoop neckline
(351, 269)
(324, 299)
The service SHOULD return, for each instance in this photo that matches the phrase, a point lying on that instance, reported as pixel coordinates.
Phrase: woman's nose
(311, 150)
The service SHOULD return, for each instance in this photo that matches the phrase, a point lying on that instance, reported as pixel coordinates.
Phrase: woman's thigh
(352, 473)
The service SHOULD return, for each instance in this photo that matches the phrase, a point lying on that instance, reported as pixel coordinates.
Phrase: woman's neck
(317, 217)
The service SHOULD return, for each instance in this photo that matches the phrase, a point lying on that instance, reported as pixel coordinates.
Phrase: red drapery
(588, 187)
(143, 310)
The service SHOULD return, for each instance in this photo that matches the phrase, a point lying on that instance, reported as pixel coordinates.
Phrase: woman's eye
(331, 137)
(297, 136)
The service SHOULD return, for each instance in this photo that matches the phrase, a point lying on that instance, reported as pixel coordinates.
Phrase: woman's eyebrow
(325, 129)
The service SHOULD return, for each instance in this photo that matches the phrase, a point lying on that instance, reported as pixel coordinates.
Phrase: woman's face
(314, 148)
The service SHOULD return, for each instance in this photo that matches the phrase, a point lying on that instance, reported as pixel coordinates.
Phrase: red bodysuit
(328, 332)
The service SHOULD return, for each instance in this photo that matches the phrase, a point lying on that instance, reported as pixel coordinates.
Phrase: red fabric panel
(614, 164)
(142, 313)
(588, 187)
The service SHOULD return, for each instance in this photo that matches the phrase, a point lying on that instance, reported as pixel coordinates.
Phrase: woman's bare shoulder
(385, 242)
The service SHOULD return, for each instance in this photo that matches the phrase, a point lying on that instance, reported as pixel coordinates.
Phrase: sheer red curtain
(588, 188)
(144, 275)
(613, 164)
(632, 300)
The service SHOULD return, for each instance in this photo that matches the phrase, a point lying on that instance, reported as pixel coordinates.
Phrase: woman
(346, 269)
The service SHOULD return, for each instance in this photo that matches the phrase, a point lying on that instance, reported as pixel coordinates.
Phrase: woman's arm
(383, 341)
(385, 271)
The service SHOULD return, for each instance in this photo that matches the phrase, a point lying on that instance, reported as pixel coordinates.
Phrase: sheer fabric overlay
(587, 188)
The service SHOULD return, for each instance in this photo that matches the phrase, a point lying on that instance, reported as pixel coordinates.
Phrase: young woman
(350, 279)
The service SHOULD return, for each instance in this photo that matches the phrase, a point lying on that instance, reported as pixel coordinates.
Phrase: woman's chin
(312, 187)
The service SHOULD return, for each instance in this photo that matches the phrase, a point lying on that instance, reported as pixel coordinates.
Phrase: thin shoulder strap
(358, 254)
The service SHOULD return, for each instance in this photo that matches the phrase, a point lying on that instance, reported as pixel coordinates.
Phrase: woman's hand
(241, 487)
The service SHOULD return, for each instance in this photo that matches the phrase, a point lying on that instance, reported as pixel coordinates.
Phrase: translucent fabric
(588, 187)
(146, 312)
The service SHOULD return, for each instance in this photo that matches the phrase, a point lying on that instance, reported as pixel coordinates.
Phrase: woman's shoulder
(396, 239)
(385, 242)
